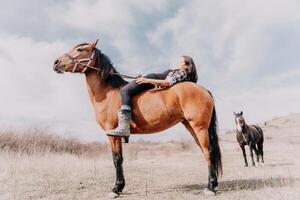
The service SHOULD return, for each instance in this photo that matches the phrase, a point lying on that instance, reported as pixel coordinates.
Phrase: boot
(124, 119)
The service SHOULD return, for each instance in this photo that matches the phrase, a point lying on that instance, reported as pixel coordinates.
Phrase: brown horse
(251, 135)
(153, 110)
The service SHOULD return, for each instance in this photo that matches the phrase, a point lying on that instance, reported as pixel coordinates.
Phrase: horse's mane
(107, 69)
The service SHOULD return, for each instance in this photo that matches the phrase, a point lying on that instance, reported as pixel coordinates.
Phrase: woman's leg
(132, 89)
(124, 114)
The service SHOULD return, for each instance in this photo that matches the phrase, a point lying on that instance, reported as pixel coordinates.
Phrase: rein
(124, 76)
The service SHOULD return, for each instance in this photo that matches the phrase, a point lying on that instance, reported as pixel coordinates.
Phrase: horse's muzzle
(58, 67)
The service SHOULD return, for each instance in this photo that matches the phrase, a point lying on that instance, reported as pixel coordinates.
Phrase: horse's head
(78, 59)
(240, 121)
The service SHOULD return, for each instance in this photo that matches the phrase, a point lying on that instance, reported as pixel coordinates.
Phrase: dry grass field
(41, 166)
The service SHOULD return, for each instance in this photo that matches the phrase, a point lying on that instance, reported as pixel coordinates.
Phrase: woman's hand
(141, 80)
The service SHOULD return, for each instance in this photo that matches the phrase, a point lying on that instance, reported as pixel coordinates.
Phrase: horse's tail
(214, 147)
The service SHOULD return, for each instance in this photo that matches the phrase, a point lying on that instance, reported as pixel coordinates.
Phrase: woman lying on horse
(187, 103)
(184, 71)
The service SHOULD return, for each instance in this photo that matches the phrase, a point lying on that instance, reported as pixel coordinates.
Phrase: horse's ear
(234, 113)
(241, 112)
(94, 44)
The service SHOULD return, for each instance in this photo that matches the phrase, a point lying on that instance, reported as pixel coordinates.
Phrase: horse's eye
(80, 50)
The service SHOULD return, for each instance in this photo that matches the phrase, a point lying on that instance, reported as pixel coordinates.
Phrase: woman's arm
(162, 83)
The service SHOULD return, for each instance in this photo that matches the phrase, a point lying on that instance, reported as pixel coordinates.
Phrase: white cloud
(232, 34)
(33, 94)
(110, 17)
(115, 20)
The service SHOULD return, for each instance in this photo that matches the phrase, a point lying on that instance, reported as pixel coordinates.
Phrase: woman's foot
(124, 119)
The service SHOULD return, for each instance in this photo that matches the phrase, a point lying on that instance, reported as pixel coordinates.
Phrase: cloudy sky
(246, 52)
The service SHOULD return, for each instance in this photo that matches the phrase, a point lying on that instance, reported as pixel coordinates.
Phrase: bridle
(86, 66)
(80, 62)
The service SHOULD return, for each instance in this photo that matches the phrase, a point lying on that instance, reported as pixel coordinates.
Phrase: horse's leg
(244, 154)
(191, 130)
(255, 148)
(212, 177)
(261, 151)
(251, 153)
(116, 147)
(203, 138)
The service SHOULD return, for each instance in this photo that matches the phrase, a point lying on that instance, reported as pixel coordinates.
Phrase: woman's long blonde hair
(191, 68)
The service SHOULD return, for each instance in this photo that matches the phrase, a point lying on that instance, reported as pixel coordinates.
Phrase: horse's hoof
(246, 166)
(261, 164)
(112, 195)
(208, 192)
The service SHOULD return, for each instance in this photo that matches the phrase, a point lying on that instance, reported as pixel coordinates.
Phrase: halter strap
(80, 62)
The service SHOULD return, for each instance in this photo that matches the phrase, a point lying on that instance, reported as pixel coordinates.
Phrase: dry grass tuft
(257, 183)
(41, 141)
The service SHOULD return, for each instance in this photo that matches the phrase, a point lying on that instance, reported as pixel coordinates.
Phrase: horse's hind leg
(255, 148)
(260, 147)
(191, 130)
(202, 139)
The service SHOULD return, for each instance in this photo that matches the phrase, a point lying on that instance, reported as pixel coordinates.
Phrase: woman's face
(181, 64)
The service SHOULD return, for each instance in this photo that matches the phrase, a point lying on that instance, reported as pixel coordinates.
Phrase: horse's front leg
(251, 153)
(120, 180)
(116, 146)
(244, 154)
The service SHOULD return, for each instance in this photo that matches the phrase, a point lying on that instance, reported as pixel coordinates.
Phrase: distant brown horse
(153, 111)
(251, 135)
